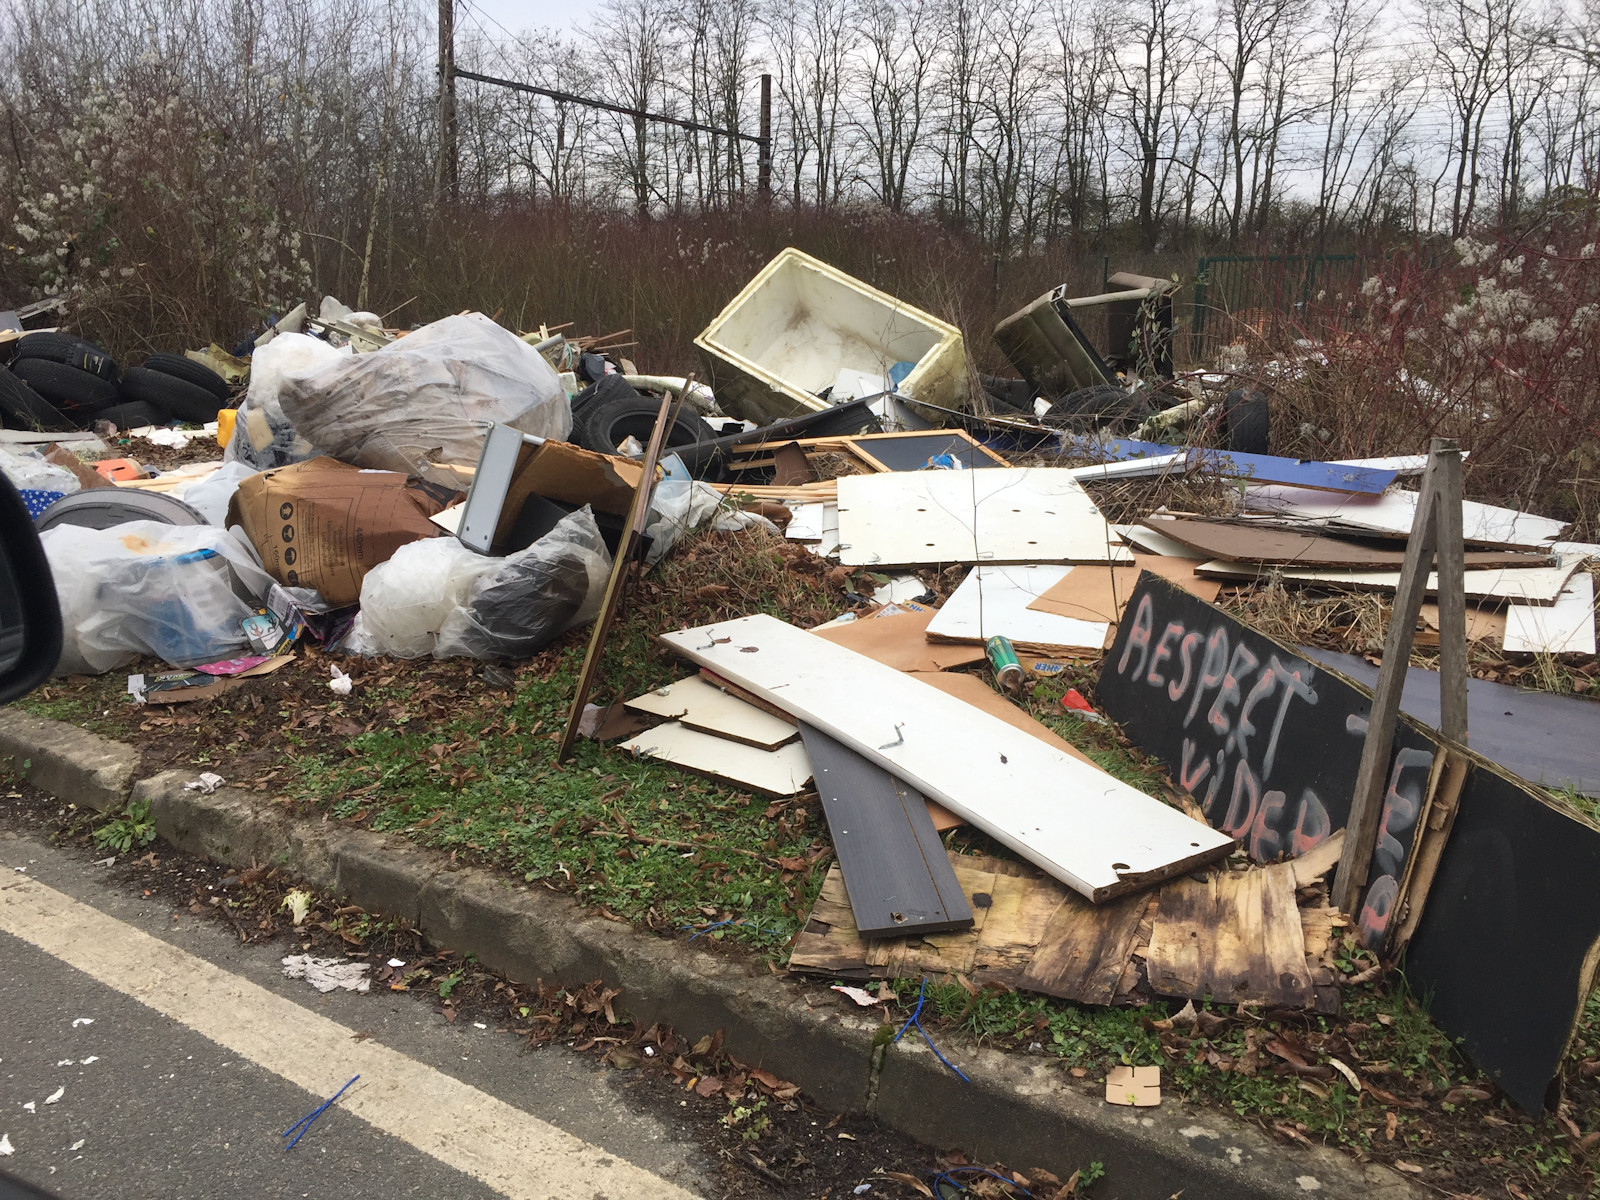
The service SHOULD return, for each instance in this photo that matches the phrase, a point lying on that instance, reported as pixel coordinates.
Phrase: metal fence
(1267, 297)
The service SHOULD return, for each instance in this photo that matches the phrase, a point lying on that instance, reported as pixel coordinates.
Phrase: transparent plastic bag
(177, 592)
(536, 595)
(210, 496)
(30, 471)
(263, 436)
(427, 400)
(405, 600)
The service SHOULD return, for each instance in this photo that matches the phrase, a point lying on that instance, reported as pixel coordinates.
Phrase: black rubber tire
(1247, 420)
(76, 393)
(134, 414)
(610, 387)
(23, 408)
(186, 401)
(1009, 395)
(190, 371)
(607, 423)
(74, 351)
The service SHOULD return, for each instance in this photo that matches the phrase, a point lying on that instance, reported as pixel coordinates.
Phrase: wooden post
(1434, 528)
(764, 158)
(446, 179)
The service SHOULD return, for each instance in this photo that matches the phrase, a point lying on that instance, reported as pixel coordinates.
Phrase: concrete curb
(1022, 1111)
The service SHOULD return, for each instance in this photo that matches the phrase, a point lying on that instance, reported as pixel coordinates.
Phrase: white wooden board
(701, 705)
(994, 600)
(1393, 512)
(1525, 585)
(805, 522)
(781, 772)
(1023, 515)
(1152, 542)
(1565, 627)
(1086, 828)
(1134, 468)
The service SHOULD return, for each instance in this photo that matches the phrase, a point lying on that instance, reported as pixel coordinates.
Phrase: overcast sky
(517, 15)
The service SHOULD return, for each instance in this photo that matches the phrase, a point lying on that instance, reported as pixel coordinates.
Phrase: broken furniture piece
(800, 322)
(1046, 342)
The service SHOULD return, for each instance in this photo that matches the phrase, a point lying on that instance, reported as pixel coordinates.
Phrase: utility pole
(764, 160)
(446, 182)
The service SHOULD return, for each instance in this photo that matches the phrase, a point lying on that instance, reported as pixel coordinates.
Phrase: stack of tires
(58, 382)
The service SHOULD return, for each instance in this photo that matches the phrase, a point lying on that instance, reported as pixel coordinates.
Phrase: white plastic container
(799, 322)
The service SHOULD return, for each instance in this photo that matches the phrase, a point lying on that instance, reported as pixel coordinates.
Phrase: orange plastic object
(116, 469)
(225, 419)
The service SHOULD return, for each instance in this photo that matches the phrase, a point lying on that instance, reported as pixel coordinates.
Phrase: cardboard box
(323, 524)
(512, 470)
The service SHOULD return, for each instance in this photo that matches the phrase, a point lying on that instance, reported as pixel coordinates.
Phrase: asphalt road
(144, 1054)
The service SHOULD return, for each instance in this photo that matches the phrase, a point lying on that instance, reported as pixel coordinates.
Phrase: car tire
(134, 414)
(190, 371)
(184, 400)
(1247, 420)
(23, 408)
(608, 423)
(76, 393)
(64, 348)
(1104, 404)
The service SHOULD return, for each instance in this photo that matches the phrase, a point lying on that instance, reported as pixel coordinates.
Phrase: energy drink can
(1003, 658)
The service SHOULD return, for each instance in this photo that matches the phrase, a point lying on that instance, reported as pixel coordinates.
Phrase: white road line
(518, 1155)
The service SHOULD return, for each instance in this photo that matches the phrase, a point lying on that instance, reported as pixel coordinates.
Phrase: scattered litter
(77, 1021)
(6, 1148)
(30, 1106)
(861, 1189)
(55, 1095)
(327, 974)
(1138, 1086)
(861, 996)
(340, 684)
(77, 1145)
(93, 1058)
(304, 1123)
(208, 782)
(397, 962)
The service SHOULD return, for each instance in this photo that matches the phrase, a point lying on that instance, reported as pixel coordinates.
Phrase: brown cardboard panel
(1095, 593)
(324, 524)
(1257, 543)
(901, 641)
(1483, 625)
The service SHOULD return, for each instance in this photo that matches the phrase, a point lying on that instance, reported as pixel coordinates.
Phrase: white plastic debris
(77, 1145)
(340, 684)
(208, 782)
(6, 1148)
(862, 997)
(397, 962)
(55, 1095)
(31, 1107)
(327, 974)
(76, 1021)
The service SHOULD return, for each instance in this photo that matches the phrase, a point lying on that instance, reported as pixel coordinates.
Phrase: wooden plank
(1234, 937)
(1024, 515)
(1090, 830)
(1565, 627)
(1152, 541)
(1250, 542)
(780, 772)
(1093, 593)
(620, 566)
(895, 870)
(1270, 468)
(697, 704)
(1318, 861)
(1366, 806)
(997, 600)
(1392, 515)
(1029, 932)
(1529, 585)
(900, 640)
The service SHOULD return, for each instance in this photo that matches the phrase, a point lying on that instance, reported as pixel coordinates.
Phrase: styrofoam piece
(994, 600)
(1088, 829)
(700, 705)
(1527, 585)
(1153, 542)
(780, 772)
(1393, 513)
(1565, 627)
(1021, 515)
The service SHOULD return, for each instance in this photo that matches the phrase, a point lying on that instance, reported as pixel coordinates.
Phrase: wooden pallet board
(895, 870)
(1095, 833)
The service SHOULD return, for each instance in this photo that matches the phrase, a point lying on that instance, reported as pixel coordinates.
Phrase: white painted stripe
(516, 1154)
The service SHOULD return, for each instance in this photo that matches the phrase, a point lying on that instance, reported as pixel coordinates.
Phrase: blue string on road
(949, 1176)
(916, 1019)
(304, 1123)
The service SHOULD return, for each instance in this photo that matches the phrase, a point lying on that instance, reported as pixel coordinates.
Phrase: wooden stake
(1434, 529)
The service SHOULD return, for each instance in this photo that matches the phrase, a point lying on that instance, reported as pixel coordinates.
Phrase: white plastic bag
(534, 596)
(405, 600)
(679, 505)
(210, 496)
(177, 592)
(263, 437)
(28, 470)
(428, 398)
